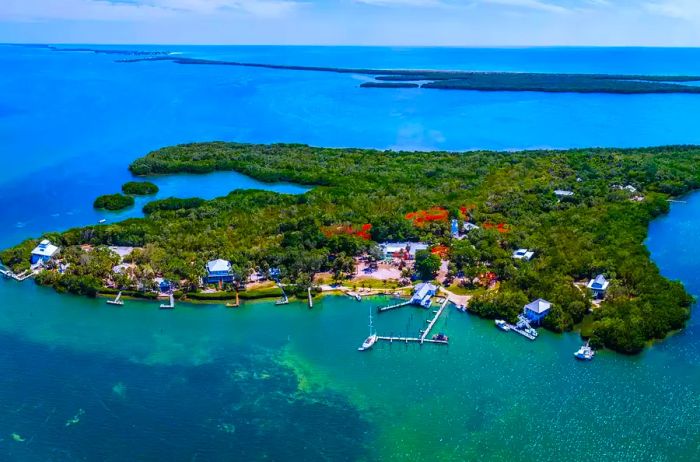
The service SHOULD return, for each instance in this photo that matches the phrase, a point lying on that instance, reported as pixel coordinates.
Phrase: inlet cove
(534, 239)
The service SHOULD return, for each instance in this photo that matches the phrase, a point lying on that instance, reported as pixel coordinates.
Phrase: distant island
(139, 188)
(113, 202)
(500, 229)
(482, 81)
(446, 79)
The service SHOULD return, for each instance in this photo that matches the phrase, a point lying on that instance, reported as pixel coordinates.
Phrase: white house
(44, 252)
(468, 226)
(523, 254)
(598, 285)
(219, 271)
(563, 193)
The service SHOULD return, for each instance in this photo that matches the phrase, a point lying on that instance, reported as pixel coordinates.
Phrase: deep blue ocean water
(80, 381)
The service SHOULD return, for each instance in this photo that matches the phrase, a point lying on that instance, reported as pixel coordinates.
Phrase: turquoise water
(84, 381)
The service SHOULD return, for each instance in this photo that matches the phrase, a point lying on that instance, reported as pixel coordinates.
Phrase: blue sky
(361, 22)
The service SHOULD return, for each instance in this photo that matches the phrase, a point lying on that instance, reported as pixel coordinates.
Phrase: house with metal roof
(523, 254)
(563, 193)
(44, 252)
(537, 310)
(598, 285)
(218, 271)
(423, 294)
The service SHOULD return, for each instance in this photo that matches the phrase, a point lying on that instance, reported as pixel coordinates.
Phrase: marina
(440, 339)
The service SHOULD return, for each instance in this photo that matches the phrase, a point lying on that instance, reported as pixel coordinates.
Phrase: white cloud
(541, 5)
(680, 9)
(419, 3)
(105, 10)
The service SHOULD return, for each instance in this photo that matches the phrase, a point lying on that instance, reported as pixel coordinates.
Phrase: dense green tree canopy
(600, 229)
(113, 202)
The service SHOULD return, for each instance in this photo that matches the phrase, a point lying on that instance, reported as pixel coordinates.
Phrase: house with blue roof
(44, 252)
(537, 310)
(218, 272)
(598, 285)
(423, 294)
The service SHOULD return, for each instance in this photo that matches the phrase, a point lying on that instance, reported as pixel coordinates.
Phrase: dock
(234, 305)
(284, 300)
(411, 340)
(169, 306)
(311, 301)
(424, 333)
(116, 301)
(354, 295)
(432, 322)
(393, 307)
(676, 202)
(17, 277)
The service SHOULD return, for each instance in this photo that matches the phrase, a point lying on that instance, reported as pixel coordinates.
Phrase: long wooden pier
(432, 322)
(411, 340)
(393, 307)
(234, 305)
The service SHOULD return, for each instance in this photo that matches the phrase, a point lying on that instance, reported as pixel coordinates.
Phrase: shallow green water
(287, 383)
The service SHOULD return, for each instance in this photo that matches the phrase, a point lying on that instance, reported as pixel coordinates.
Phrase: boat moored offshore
(585, 353)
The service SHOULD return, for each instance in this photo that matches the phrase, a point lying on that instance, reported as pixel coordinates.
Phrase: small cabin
(44, 252)
(537, 310)
(219, 271)
(523, 254)
(598, 285)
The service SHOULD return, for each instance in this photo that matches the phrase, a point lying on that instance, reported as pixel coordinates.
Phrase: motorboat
(501, 324)
(585, 353)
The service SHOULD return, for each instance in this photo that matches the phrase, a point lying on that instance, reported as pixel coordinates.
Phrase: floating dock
(169, 306)
(116, 301)
(311, 301)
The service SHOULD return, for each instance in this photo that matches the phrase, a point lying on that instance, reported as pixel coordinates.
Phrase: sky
(354, 22)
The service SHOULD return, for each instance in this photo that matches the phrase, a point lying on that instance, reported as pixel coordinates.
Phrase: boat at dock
(372, 339)
(501, 324)
(585, 353)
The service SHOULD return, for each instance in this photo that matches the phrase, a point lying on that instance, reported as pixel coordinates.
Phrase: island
(113, 202)
(139, 188)
(558, 234)
(622, 84)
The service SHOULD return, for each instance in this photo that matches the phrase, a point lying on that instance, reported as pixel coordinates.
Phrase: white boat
(501, 324)
(585, 353)
(102, 221)
(372, 339)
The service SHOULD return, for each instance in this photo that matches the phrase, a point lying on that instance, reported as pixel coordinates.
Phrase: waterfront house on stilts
(536, 311)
